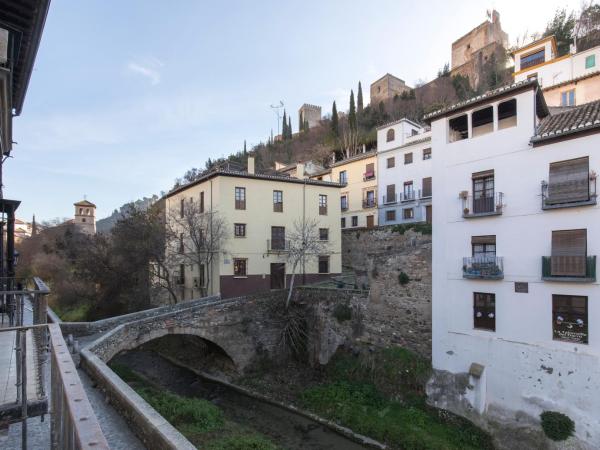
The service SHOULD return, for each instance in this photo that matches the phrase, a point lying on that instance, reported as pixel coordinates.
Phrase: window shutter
(427, 187)
(370, 169)
(569, 181)
(391, 192)
(569, 251)
(483, 240)
(484, 174)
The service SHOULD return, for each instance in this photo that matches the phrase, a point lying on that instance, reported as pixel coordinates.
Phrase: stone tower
(85, 216)
(386, 88)
(309, 113)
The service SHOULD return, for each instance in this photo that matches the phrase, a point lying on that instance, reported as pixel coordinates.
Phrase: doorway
(277, 275)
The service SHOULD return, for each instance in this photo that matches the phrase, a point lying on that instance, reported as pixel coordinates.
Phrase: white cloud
(148, 68)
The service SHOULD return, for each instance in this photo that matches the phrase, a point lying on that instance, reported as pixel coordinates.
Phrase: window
(408, 213)
(343, 222)
(278, 201)
(181, 274)
(483, 247)
(413, 132)
(533, 59)
(482, 121)
(570, 318)
(569, 253)
(181, 247)
(590, 61)
(240, 267)
(354, 221)
(390, 196)
(239, 229)
(390, 215)
(277, 238)
(369, 199)
(323, 264)
(199, 281)
(458, 128)
(567, 98)
(408, 159)
(181, 208)
(391, 162)
(81, 211)
(569, 181)
(426, 187)
(409, 193)
(343, 177)
(202, 201)
(483, 192)
(87, 211)
(391, 135)
(369, 171)
(83, 219)
(324, 234)
(240, 198)
(484, 311)
(507, 114)
(426, 153)
(344, 202)
(322, 205)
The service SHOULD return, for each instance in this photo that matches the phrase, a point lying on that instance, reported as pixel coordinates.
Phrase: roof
(535, 43)
(524, 85)
(388, 75)
(572, 80)
(394, 122)
(25, 21)
(84, 203)
(580, 118)
(321, 172)
(256, 176)
(357, 157)
(409, 144)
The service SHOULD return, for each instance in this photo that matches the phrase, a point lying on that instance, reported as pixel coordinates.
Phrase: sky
(126, 96)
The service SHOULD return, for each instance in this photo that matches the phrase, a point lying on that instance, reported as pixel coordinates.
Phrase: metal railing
(482, 206)
(368, 176)
(549, 202)
(278, 245)
(408, 196)
(369, 203)
(483, 267)
(569, 268)
(390, 199)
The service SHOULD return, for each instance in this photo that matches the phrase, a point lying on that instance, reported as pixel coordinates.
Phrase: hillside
(106, 224)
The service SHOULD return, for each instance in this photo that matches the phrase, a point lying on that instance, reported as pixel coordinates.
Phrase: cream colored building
(358, 196)
(85, 216)
(259, 212)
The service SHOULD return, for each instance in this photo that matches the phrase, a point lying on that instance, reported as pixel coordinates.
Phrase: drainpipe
(304, 229)
(211, 240)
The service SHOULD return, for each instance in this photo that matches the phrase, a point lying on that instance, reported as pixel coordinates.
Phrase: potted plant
(465, 211)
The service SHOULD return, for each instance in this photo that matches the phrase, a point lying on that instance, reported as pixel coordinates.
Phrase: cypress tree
(245, 151)
(289, 128)
(352, 112)
(284, 127)
(334, 120)
(359, 99)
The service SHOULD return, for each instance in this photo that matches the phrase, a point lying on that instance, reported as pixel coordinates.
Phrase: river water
(287, 429)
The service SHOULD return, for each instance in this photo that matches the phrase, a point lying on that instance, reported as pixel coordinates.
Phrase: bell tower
(85, 216)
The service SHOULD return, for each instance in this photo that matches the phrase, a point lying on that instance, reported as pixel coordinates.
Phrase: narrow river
(289, 430)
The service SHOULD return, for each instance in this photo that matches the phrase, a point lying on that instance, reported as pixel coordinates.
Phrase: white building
(516, 312)
(404, 167)
(567, 80)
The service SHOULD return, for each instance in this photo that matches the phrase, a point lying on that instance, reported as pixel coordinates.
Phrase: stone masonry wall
(395, 314)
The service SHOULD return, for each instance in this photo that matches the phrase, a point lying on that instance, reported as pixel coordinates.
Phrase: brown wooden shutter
(370, 168)
(391, 192)
(569, 251)
(427, 187)
(569, 181)
(484, 174)
(483, 240)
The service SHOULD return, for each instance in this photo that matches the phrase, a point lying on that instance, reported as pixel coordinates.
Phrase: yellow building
(358, 196)
(259, 214)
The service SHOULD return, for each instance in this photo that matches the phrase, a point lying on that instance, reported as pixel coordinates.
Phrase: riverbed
(287, 429)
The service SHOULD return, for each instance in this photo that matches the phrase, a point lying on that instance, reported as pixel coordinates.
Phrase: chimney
(251, 165)
(300, 170)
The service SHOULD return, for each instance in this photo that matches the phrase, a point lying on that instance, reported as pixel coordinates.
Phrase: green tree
(352, 112)
(335, 121)
(561, 26)
(359, 99)
(245, 151)
(289, 127)
(284, 127)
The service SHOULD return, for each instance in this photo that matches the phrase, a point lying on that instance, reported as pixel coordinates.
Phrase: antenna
(277, 110)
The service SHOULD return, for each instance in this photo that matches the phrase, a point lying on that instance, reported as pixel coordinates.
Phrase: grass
(381, 395)
(201, 422)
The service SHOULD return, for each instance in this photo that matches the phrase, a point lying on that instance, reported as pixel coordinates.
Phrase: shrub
(423, 228)
(342, 312)
(557, 426)
(403, 278)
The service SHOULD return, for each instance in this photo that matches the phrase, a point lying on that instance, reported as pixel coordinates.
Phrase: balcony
(424, 194)
(565, 196)
(408, 196)
(344, 207)
(369, 203)
(278, 246)
(482, 206)
(577, 269)
(390, 199)
(367, 176)
(483, 268)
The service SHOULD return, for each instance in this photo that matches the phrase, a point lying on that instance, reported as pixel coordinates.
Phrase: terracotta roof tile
(580, 118)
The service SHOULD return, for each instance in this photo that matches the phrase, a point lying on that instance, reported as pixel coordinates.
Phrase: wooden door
(370, 221)
(277, 275)
(428, 214)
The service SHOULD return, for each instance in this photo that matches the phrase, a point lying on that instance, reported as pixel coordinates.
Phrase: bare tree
(350, 138)
(195, 236)
(305, 244)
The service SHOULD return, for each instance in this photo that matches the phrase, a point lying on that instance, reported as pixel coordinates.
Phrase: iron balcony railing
(408, 196)
(575, 268)
(425, 194)
(369, 203)
(278, 245)
(480, 206)
(483, 267)
(568, 197)
(368, 176)
(344, 206)
(390, 199)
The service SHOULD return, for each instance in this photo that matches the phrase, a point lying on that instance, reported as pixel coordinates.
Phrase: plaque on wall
(521, 287)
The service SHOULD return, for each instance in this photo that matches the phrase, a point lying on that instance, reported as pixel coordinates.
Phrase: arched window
(391, 135)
